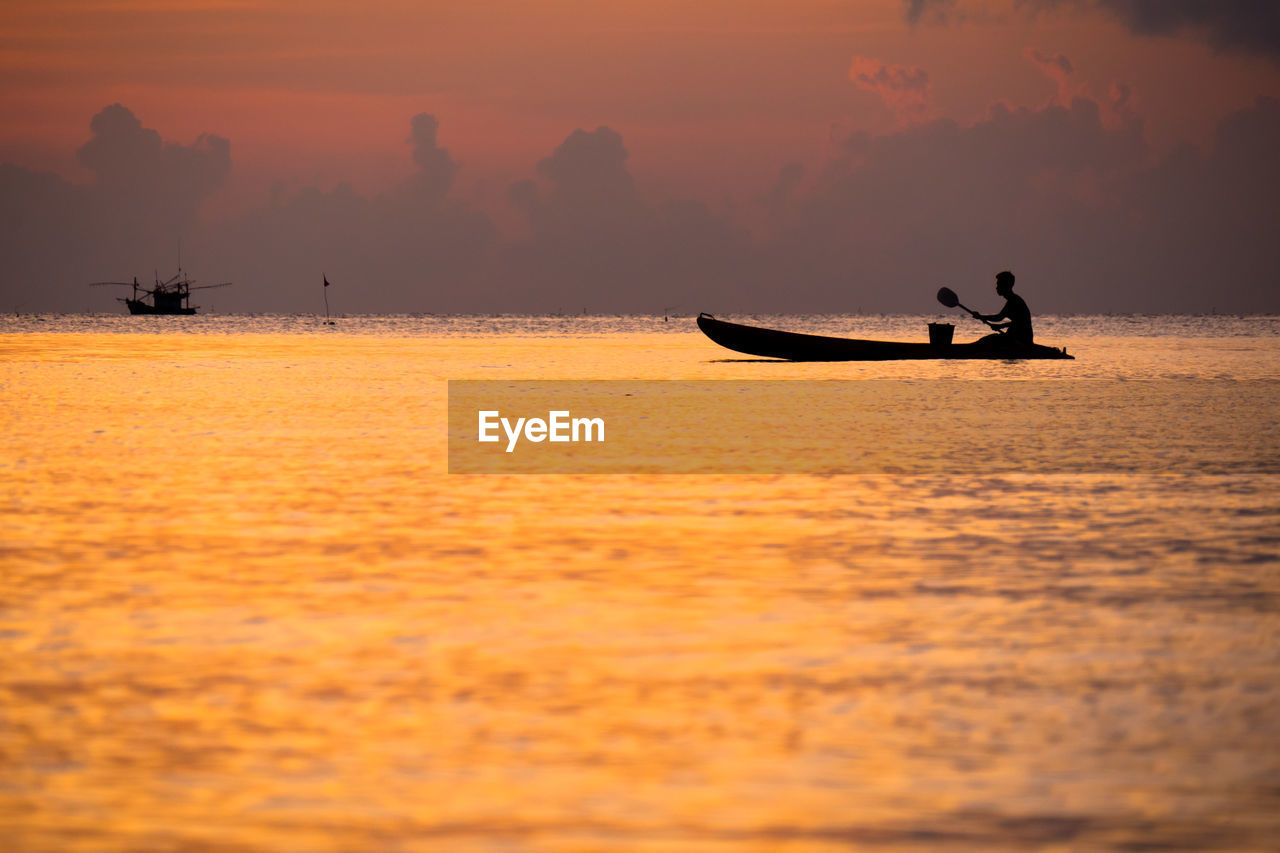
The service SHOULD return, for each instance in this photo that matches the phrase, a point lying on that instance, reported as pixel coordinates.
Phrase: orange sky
(712, 98)
(825, 155)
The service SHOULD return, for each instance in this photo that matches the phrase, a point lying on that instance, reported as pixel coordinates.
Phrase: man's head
(1004, 283)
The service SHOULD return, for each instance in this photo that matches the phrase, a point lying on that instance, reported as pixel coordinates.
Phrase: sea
(244, 606)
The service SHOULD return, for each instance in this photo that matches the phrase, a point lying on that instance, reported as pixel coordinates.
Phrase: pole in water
(327, 321)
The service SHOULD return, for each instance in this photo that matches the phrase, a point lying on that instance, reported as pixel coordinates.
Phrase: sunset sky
(1119, 155)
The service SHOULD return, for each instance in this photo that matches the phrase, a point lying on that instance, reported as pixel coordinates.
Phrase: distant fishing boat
(172, 297)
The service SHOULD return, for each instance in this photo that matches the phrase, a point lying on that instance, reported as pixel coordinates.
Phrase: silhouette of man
(1017, 328)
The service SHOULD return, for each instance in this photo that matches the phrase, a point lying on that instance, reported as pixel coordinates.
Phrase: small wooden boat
(793, 346)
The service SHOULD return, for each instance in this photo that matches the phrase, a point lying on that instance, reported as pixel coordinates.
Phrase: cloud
(783, 189)
(1203, 224)
(1067, 195)
(1120, 96)
(1246, 26)
(121, 148)
(1060, 63)
(596, 244)
(1072, 203)
(588, 226)
(936, 10)
(942, 202)
(135, 167)
(436, 166)
(1116, 99)
(413, 248)
(145, 197)
(904, 89)
(588, 182)
(1058, 69)
(1229, 26)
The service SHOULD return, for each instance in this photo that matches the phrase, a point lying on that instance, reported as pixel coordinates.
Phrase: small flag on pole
(326, 281)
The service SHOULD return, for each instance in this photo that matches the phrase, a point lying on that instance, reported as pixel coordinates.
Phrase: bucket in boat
(940, 334)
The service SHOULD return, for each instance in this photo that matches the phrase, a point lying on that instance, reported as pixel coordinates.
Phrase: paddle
(948, 297)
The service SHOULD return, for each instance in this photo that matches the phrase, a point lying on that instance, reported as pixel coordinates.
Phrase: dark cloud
(1074, 205)
(941, 203)
(784, 189)
(121, 148)
(921, 10)
(145, 197)
(1251, 26)
(590, 165)
(904, 89)
(1058, 61)
(1067, 195)
(411, 249)
(137, 170)
(1203, 224)
(45, 224)
(1058, 69)
(436, 166)
(595, 244)
(1229, 26)
(586, 189)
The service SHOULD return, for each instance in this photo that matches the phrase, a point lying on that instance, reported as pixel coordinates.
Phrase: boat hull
(793, 346)
(137, 306)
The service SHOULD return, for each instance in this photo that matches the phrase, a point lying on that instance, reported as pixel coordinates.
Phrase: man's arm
(991, 318)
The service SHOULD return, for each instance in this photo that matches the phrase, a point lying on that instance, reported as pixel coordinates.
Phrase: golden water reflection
(244, 608)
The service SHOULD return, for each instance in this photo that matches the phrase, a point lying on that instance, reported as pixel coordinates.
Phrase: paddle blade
(948, 297)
